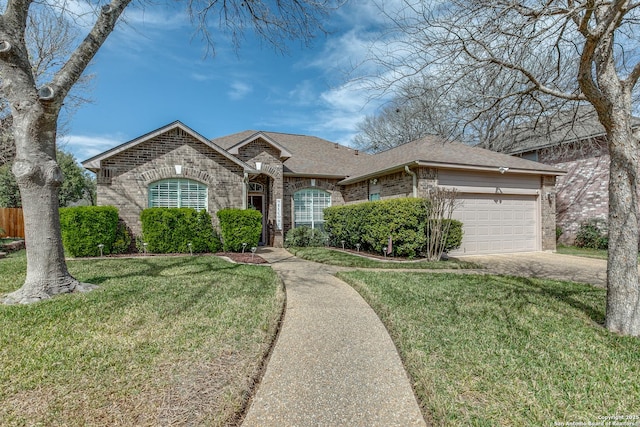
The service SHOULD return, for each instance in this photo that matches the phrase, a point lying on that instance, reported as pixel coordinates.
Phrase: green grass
(583, 252)
(487, 350)
(162, 341)
(346, 259)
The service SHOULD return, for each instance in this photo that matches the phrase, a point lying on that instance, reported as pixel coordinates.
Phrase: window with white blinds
(308, 207)
(178, 193)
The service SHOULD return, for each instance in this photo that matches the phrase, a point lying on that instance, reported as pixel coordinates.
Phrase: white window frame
(178, 193)
(308, 206)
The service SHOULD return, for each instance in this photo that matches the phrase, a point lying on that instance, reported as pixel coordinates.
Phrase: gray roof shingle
(437, 152)
(310, 156)
(554, 129)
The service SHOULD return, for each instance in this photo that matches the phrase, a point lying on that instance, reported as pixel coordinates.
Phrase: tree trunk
(39, 178)
(623, 290)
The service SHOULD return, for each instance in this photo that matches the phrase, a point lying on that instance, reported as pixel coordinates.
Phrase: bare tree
(472, 107)
(555, 51)
(418, 109)
(35, 108)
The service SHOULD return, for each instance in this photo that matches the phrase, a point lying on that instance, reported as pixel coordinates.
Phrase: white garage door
(495, 223)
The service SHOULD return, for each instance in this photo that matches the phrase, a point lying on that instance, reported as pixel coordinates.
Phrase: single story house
(507, 204)
(576, 142)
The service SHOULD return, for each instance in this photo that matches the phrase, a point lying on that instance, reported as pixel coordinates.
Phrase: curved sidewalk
(334, 363)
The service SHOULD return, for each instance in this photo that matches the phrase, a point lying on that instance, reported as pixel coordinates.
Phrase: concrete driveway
(545, 265)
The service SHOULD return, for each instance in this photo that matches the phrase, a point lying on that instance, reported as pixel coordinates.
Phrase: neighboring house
(507, 204)
(575, 142)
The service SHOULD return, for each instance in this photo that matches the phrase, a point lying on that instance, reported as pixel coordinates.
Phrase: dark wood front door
(256, 201)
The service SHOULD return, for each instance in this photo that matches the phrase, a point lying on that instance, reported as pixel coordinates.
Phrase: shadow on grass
(581, 297)
(150, 267)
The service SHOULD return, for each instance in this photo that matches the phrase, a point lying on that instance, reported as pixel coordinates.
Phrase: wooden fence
(12, 222)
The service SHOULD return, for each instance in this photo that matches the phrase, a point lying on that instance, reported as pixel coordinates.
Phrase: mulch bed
(246, 258)
(12, 246)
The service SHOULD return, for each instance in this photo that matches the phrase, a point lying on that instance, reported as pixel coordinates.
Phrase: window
(308, 206)
(374, 190)
(255, 187)
(178, 193)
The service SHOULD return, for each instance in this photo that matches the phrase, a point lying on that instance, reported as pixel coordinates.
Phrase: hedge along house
(507, 204)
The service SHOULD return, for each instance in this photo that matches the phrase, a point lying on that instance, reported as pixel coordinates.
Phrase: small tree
(440, 206)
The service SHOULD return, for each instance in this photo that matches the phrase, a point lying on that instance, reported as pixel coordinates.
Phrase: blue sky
(153, 71)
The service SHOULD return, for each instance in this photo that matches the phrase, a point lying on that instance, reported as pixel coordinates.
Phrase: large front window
(178, 193)
(308, 206)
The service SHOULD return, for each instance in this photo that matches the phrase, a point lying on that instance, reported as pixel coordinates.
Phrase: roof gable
(94, 163)
(235, 149)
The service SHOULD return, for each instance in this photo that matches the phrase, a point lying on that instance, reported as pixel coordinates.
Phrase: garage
(499, 211)
(497, 223)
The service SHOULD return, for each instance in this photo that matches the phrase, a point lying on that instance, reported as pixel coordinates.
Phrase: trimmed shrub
(454, 238)
(170, 230)
(85, 227)
(305, 237)
(239, 226)
(592, 234)
(371, 224)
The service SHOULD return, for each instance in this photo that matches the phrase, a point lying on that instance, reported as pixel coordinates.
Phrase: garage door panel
(497, 223)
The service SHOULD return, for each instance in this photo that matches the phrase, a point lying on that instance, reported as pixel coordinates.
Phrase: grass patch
(163, 341)
(583, 252)
(346, 259)
(489, 350)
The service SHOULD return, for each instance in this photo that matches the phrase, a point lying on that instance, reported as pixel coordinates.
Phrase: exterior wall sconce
(374, 181)
(178, 169)
(313, 182)
(502, 169)
(258, 165)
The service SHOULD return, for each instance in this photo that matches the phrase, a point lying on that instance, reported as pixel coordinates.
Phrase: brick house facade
(291, 178)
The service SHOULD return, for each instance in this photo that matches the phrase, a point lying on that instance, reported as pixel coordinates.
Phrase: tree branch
(70, 73)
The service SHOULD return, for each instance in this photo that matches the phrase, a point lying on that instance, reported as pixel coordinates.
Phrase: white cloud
(303, 93)
(239, 90)
(84, 147)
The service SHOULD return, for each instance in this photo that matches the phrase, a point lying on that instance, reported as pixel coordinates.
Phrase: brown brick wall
(427, 179)
(136, 168)
(398, 184)
(582, 193)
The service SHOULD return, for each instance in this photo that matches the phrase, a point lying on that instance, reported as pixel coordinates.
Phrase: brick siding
(134, 169)
(582, 193)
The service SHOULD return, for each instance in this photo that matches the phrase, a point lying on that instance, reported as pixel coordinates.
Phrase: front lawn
(346, 259)
(489, 350)
(584, 252)
(163, 341)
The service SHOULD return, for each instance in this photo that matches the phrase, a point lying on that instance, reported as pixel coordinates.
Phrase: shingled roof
(435, 152)
(550, 130)
(310, 156)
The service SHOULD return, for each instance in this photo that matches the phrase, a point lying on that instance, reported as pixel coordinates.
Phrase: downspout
(245, 182)
(415, 180)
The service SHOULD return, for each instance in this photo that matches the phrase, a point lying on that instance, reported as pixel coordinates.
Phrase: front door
(255, 201)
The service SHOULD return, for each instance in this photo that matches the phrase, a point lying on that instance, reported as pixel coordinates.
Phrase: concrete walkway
(334, 363)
